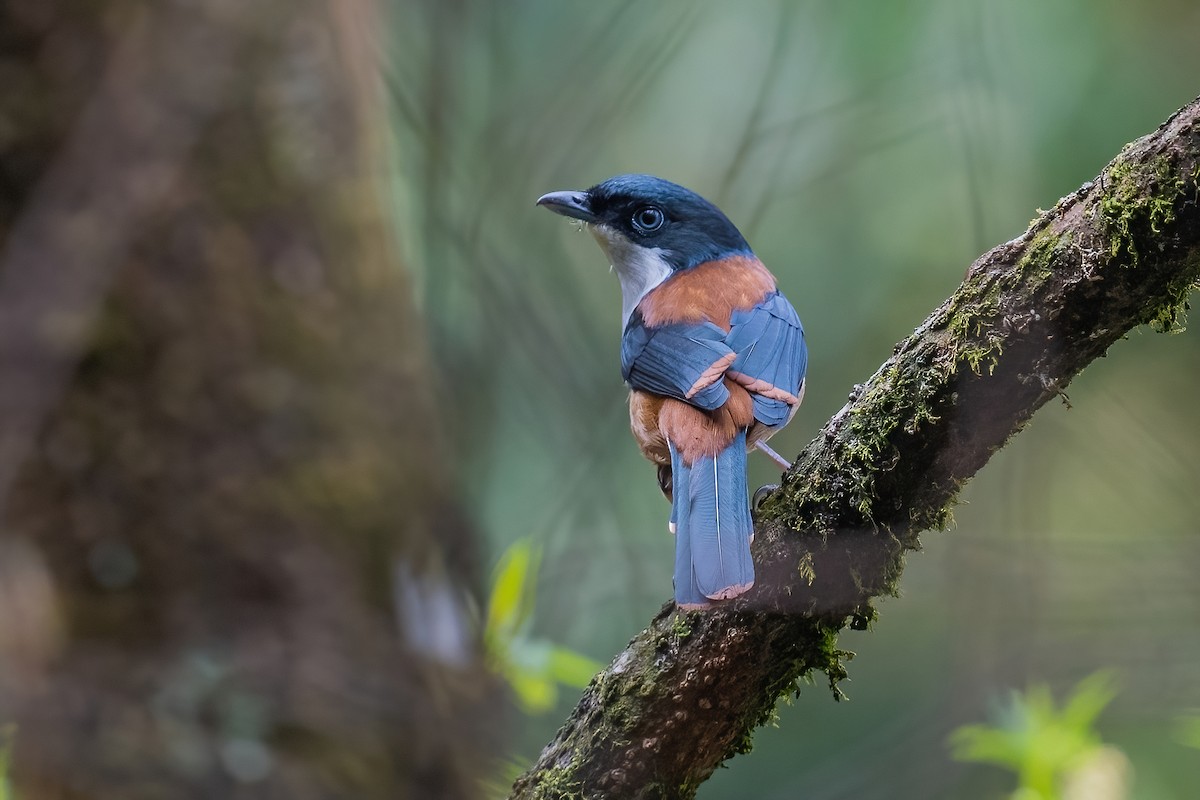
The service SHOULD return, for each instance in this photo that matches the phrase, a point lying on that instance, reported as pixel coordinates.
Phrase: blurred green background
(869, 151)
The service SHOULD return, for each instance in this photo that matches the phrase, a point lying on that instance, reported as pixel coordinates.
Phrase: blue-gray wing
(771, 357)
(682, 360)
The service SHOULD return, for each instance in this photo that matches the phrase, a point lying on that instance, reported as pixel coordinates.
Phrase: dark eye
(648, 219)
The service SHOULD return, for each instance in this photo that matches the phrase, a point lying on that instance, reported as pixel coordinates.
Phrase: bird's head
(636, 218)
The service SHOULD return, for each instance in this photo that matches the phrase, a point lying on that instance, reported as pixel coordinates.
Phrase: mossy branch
(688, 692)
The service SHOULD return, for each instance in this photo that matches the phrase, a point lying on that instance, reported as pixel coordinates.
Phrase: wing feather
(771, 357)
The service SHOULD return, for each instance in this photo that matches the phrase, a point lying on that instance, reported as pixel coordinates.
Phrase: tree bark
(230, 558)
(688, 692)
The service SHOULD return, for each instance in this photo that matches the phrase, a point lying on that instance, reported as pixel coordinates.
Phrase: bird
(714, 356)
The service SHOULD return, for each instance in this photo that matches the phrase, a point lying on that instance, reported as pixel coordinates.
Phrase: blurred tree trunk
(230, 563)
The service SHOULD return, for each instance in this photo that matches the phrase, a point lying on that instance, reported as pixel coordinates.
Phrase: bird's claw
(760, 496)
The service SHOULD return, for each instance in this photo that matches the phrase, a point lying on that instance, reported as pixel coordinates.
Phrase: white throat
(639, 269)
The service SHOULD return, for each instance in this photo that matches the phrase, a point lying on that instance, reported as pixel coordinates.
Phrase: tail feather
(711, 510)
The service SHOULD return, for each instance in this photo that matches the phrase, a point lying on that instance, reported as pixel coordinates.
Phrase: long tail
(711, 511)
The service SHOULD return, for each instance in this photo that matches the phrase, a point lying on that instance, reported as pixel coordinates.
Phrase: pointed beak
(575, 205)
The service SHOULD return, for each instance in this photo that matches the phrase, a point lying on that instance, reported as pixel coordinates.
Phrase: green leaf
(534, 668)
(987, 745)
(1041, 743)
(1090, 697)
(511, 603)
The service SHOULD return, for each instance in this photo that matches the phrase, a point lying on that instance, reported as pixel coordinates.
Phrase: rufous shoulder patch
(708, 292)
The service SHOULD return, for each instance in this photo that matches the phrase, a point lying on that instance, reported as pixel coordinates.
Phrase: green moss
(820, 653)
(833, 660)
(1037, 263)
(623, 695)
(1139, 204)
(901, 399)
(1171, 316)
(826, 657)
(559, 783)
(744, 743)
(681, 626)
(980, 357)
(908, 392)
(902, 393)
(974, 320)
(805, 569)
(1139, 200)
(938, 519)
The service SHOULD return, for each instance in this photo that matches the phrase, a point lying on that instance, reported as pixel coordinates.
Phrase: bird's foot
(760, 496)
